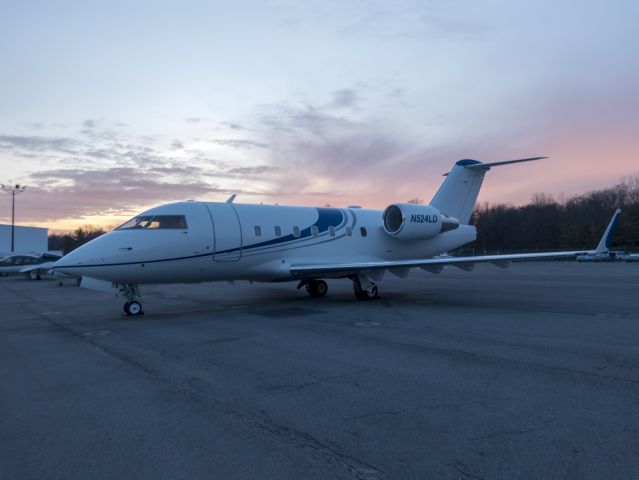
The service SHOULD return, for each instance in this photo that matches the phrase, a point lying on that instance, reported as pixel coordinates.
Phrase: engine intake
(410, 221)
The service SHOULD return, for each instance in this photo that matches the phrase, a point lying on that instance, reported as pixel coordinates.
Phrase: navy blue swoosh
(327, 217)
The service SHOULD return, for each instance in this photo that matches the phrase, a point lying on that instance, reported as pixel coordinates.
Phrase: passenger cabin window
(349, 232)
(362, 231)
(278, 231)
(258, 231)
(296, 231)
(153, 222)
(314, 231)
(331, 231)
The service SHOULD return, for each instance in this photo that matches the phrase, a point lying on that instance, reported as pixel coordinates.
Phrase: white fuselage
(224, 241)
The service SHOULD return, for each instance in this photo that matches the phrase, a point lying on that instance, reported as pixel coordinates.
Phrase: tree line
(543, 224)
(548, 224)
(67, 242)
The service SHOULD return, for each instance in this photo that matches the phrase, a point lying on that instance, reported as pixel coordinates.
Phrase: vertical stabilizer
(458, 194)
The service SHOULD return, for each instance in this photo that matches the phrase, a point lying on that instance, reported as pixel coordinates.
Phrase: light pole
(13, 190)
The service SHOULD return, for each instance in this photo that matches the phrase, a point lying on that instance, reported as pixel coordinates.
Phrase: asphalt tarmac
(528, 372)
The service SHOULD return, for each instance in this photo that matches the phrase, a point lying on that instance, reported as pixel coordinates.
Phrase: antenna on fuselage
(231, 198)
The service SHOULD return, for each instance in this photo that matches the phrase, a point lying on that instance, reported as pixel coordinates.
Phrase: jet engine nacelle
(409, 221)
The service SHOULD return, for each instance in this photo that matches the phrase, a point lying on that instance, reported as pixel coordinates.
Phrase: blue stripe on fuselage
(327, 217)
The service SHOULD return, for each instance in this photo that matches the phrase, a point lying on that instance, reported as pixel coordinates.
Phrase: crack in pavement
(403, 410)
(461, 468)
(513, 432)
(294, 388)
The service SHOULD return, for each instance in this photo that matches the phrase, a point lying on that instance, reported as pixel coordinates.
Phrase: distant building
(27, 240)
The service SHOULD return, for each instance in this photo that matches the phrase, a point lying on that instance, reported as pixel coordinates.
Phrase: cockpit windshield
(154, 222)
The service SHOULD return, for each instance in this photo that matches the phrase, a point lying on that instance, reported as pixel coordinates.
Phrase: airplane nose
(62, 266)
(72, 263)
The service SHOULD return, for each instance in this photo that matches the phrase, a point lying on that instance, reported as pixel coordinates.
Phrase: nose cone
(65, 265)
(75, 262)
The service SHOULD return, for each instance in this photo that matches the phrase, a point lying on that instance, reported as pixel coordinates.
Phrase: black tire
(374, 292)
(317, 288)
(134, 308)
(361, 294)
(126, 307)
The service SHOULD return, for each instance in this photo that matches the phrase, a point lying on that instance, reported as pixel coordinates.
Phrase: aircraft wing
(39, 268)
(436, 264)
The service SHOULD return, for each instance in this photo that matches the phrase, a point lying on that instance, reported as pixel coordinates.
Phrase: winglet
(604, 243)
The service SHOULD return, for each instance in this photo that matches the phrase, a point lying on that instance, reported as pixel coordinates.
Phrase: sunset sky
(107, 108)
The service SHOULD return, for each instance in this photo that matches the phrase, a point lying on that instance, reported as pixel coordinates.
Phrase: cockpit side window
(154, 222)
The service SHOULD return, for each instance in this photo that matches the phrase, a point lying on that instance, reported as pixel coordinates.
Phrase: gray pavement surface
(529, 372)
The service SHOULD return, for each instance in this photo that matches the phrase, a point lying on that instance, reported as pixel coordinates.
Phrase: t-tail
(458, 194)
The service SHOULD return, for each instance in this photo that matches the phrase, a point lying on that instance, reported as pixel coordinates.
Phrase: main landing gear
(316, 288)
(131, 293)
(364, 288)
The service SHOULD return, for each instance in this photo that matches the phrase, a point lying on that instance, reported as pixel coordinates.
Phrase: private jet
(222, 241)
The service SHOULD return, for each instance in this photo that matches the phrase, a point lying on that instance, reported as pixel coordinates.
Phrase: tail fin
(604, 243)
(458, 194)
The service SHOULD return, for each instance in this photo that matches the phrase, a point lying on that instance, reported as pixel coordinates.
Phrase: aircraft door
(227, 232)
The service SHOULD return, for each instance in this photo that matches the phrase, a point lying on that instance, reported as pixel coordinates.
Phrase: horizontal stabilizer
(486, 166)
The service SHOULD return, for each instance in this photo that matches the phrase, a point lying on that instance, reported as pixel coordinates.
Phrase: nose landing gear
(131, 293)
(133, 308)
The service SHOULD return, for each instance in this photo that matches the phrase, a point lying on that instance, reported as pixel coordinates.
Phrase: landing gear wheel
(316, 288)
(373, 292)
(360, 293)
(131, 293)
(364, 294)
(133, 308)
